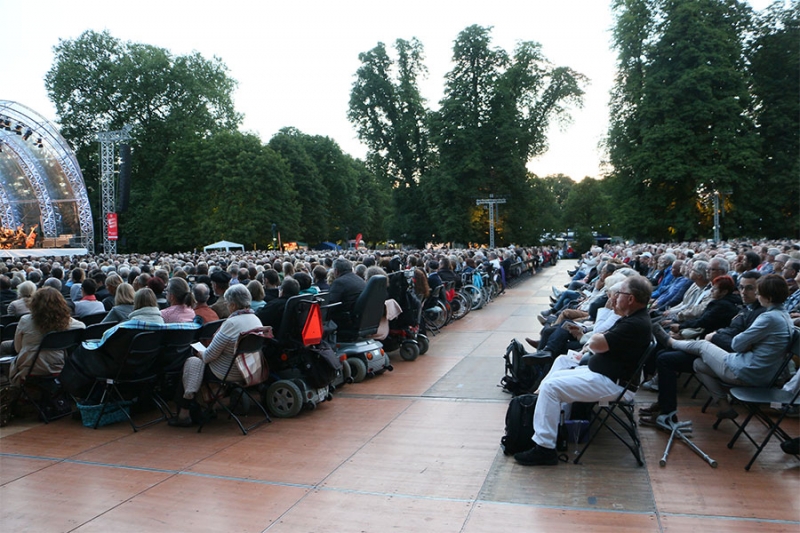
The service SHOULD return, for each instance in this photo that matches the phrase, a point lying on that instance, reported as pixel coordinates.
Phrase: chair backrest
(792, 349)
(294, 318)
(176, 346)
(370, 305)
(635, 378)
(141, 359)
(94, 318)
(9, 331)
(57, 340)
(207, 331)
(95, 331)
(8, 319)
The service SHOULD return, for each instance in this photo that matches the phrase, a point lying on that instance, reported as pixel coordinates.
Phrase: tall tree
(493, 119)
(223, 186)
(687, 134)
(391, 119)
(774, 65)
(101, 83)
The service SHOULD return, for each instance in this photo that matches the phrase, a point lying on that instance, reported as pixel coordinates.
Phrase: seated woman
(724, 305)
(145, 307)
(49, 312)
(21, 305)
(123, 304)
(256, 290)
(759, 348)
(218, 356)
(305, 282)
(181, 302)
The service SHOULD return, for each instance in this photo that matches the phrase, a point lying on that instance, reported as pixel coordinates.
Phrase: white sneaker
(651, 384)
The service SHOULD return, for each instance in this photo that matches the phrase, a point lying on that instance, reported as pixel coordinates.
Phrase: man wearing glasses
(616, 353)
(670, 363)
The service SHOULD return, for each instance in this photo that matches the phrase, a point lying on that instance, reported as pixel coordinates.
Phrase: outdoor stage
(20, 253)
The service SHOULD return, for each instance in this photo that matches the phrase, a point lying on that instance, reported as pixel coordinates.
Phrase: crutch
(697, 450)
(676, 430)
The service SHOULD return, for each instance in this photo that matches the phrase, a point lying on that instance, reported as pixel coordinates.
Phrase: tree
(391, 119)
(99, 83)
(493, 119)
(681, 130)
(774, 66)
(224, 186)
(588, 206)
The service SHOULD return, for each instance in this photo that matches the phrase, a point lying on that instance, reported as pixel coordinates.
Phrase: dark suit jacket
(345, 289)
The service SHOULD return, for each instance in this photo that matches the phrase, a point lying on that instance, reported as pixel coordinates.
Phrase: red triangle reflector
(312, 330)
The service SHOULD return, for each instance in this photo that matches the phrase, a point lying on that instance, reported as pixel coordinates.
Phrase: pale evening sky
(295, 61)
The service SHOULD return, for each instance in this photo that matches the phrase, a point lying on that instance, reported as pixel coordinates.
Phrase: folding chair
(95, 331)
(207, 331)
(176, 347)
(234, 390)
(754, 397)
(94, 318)
(48, 384)
(626, 420)
(8, 331)
(138, 370)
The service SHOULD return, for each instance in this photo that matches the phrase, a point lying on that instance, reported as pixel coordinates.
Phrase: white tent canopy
(226, 245)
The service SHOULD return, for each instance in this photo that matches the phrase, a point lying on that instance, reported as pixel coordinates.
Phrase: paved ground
(414, 450)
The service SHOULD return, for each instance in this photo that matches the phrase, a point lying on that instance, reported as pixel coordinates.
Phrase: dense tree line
(706, 102)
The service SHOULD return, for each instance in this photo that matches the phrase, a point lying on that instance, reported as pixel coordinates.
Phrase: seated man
(88, 304)
(616, 354)
(345, 290)
(272, 313)
(671, 362)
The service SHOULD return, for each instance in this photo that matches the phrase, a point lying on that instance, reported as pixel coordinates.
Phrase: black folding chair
(94, 318)
(176, 347)
(626, 419)
(95, 331)
(138, 371)
(207, 330)
(8, 331)
(218, 389)
(754, 397)
(48, 384)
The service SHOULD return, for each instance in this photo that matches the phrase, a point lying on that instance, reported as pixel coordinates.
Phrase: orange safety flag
(312, 329)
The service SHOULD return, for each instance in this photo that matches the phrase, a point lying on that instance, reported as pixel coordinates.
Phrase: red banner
(358, 241)
(111, 222)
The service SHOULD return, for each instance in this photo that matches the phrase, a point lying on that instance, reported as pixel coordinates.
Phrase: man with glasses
(670, 362)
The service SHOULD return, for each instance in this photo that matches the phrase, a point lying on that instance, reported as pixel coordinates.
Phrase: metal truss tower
(492, 203)
(108, 142)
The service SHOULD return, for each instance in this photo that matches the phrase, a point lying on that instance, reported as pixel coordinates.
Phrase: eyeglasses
(623, 292)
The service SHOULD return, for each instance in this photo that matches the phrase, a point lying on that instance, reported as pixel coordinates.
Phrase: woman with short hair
(21, 306)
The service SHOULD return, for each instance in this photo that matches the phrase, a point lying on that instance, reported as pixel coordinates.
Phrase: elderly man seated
(616, 355)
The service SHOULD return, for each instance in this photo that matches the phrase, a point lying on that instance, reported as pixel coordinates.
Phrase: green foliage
(588, 206)
(99, 83)
(225, 186)
(689, 118)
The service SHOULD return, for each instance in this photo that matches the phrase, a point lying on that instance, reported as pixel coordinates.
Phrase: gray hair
(238, 295)
(342, 266)
(701, 267)
(723, 263)
(53, 282)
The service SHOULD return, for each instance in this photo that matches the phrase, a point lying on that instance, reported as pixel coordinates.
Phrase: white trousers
(565, 384)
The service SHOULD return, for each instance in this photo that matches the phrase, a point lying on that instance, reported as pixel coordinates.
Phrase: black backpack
(519, 424)
(521, 378)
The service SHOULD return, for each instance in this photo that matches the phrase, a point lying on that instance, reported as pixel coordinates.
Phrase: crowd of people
(726, 313)
(720, 310)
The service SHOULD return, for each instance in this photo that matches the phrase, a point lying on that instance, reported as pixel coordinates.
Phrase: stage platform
(21, 253)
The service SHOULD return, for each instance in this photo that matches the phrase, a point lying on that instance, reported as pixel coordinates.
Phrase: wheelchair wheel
(424, 343)
(409, 351)
(284, 399)
(473, 295)
(460, 306)
(358, 369)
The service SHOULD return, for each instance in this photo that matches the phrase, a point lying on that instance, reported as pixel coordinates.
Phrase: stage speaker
(124, 193)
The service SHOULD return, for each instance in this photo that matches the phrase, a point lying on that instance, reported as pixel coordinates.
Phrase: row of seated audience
(727, 332)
